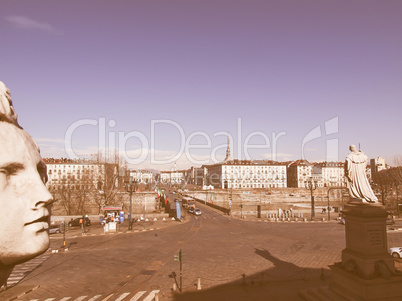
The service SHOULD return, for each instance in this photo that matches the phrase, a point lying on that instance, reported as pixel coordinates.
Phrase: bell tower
(228, 156)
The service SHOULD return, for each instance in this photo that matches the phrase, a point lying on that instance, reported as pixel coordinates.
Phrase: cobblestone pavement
(230, 259)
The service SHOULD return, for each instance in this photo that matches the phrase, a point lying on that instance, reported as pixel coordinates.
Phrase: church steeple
(228, 156)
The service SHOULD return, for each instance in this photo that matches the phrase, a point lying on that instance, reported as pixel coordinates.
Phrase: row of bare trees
(93, 191)
(387, 183)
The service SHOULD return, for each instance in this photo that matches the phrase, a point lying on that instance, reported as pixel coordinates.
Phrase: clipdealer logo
(111, 141)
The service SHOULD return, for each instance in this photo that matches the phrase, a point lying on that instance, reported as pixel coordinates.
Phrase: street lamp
(130, 189)
(312, 185)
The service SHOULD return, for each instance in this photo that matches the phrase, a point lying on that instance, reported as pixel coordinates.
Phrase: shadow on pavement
(282, 282)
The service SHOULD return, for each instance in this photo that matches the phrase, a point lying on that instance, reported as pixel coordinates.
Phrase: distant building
(175, 177)
(78, 174)
(235, 174)
(329, 174)
(299, 173)
(377, 165)
(142, 176)
(198, 175)
(246, 174)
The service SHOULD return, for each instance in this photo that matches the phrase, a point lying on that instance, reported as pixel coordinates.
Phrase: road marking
(151, 296)
(108, 297)
(122, 296)
(21, 270)
(137, 296)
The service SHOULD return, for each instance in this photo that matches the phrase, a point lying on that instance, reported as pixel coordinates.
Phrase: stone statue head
(24, 198)
(353, 148)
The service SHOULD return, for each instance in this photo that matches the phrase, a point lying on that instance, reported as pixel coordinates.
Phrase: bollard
(244, 279)
(198, 283)
(174, 287)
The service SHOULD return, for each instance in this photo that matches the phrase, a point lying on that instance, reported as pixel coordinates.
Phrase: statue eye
(42, 170)
(11, 169)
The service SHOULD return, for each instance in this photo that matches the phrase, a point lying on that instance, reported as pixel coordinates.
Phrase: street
(218, 250)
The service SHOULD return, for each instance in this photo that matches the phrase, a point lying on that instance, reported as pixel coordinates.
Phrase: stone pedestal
(366, 239)
(367, 270)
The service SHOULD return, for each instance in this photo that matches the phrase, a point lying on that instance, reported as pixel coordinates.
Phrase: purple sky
(275, 66)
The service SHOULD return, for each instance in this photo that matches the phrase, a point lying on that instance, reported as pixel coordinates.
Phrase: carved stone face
(24, 199)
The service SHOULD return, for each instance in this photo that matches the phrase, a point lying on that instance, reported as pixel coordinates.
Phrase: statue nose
(39, 194)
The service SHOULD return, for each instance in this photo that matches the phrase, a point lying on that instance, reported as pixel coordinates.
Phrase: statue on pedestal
(24, 198)
(355, 173)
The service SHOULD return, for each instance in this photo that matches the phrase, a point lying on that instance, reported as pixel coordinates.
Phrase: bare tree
(388, 182)
(110, 184)
(383, 183)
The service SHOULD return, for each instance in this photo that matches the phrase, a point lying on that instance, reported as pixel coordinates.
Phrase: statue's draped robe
(358, 186)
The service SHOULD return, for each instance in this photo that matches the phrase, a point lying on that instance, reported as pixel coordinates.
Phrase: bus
(188, 202)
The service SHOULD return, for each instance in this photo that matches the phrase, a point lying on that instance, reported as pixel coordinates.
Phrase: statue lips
(41, 223)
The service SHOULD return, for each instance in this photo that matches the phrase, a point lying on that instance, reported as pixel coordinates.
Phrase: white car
(396, 252)
(197, 211)
(54, 230)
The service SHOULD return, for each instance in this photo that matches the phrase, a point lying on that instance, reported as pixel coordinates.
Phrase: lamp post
(230, 201)
(130, 189)
(312, 185)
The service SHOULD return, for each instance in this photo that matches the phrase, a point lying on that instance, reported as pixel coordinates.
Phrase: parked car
(396, 252)
(76, 222)
(390, 221)
(54, 229)
(190, 210)
(197, 211)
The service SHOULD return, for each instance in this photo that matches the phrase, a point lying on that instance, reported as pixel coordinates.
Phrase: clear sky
(282, 75)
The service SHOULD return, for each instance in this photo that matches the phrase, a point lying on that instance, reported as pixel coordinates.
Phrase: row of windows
(248, 172)
(69, 171)
(74, 166)
(70, 187)
(257, 186)
(250, 181)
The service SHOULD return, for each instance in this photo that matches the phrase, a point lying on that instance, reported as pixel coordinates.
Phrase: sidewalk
(138, 226)
(19, 290)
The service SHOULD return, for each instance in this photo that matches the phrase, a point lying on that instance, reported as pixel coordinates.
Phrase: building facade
(175, 177)
(377, 165)
(79, 174)
(299, 173)
(198, 176)
(237, 174)
(142, 176)
(329, 174)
